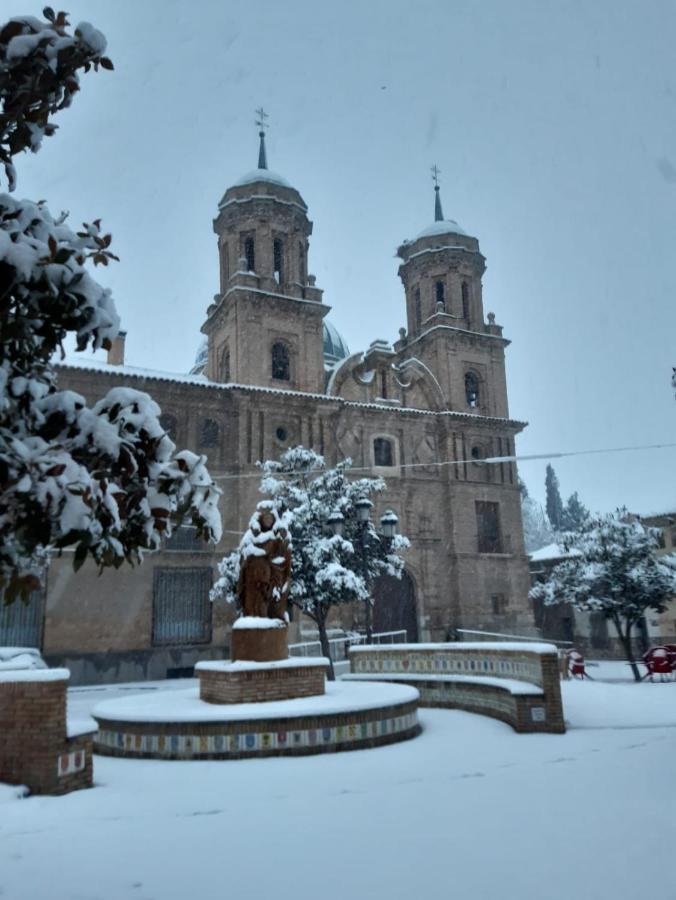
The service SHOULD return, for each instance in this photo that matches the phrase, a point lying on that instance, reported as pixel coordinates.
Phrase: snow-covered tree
(554, 504)
(574, 514)
(327, 569)
(537, 532)
(615, 571)
(104, 480)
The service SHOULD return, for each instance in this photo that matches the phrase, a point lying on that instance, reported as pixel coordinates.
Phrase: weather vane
(261, 116)
(436, 172)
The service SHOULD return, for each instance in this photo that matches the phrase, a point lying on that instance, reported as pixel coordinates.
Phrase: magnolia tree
(327, 569)
(104, 480)
(615, 570)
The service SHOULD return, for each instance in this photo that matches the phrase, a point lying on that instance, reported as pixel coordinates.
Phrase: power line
(489, 460)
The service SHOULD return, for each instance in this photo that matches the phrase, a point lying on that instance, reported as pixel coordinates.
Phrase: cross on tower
(261, 116)
(436, 172)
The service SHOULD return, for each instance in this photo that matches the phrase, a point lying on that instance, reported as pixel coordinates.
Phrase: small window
(209, 433)
(281, 434)
(465, 300)
(383, 384)
(181, 606)
(278, 259)
(477, 454)
(281, 364)
(301, 264)
(250, 254)
(498, 604)
(488, 527)
(225, 268)
(224, 373)
(184, 540)
(169, 423)
(417, 314)
(472, 389)
(440, 293)
(383, 452)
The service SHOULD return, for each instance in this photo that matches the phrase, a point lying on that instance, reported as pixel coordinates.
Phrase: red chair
(576, 664)
(659, 661)
(671, 650)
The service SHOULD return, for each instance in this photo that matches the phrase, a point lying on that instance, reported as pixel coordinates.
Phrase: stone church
(272, 373)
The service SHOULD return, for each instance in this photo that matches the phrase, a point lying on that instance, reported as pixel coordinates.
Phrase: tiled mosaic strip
(479, 665)
(252, 741)
(69, 763)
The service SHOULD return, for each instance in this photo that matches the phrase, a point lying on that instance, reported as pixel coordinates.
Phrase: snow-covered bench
(39, 747)
(515, 682)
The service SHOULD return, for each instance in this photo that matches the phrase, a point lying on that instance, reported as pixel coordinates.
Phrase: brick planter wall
(450, 675)
(34, 747)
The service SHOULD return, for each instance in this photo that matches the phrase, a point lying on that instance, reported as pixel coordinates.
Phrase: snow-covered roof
(446, 226)
(551, 551)
(95, 365)
(262, 175)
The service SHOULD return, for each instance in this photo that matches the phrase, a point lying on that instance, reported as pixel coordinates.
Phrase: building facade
(272, 373)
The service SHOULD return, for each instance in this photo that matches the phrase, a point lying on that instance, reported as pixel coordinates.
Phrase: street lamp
(388, 523)
(336, 522)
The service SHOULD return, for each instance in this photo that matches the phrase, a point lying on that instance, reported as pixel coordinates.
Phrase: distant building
(272, 373)
(662, 626)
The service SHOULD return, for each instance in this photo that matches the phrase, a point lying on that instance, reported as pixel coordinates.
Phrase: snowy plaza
(467, 809)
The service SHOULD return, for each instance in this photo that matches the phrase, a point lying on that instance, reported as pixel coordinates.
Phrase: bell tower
(441, 271)
(265, 325)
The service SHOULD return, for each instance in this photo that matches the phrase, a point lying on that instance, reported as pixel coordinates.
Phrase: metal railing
(479, 635)
(339, 646)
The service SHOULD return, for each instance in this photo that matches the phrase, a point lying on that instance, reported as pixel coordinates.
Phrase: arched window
(225, 268)
(224, 373)
(465, 300)
(439, 293)
(281, 364)
(472, 389)
(169, 423)
(477, 454)
(383, 384)
(250, 254)
(383, 452)
(417, 314)
(278, 259)
(301, 264)
(209, 433)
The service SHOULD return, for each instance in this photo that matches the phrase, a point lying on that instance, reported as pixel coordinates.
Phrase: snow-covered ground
(468, 809)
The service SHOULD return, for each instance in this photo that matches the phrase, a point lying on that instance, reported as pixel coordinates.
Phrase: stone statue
(265, 565)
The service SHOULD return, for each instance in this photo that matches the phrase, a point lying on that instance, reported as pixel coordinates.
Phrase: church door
(394, 605)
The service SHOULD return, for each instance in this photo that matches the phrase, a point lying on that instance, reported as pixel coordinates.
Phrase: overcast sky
(554, 125)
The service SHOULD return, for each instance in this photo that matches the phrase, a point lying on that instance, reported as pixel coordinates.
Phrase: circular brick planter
(178, 725)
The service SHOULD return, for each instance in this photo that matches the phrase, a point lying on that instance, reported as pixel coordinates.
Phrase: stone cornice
(197, 381)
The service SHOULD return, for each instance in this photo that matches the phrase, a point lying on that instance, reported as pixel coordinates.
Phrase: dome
(446, 226)
(335, 347)
(261, 175)
(201, 358)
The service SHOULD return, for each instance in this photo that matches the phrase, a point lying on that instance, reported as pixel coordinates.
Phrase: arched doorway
(394, 605)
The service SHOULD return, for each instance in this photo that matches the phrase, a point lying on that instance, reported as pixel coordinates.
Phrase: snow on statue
(329, 569)
(265, 564)
(105, 481)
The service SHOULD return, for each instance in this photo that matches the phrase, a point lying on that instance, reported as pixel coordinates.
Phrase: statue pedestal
(261, 682)
(259, 640)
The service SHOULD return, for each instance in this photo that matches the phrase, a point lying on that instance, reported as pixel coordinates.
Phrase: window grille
(281, 367)
(181, 606)
(488, 527)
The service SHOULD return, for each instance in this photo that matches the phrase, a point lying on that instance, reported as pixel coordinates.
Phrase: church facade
(272, 373)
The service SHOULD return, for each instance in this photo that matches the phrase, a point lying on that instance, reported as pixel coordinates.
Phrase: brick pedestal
(35, 749)
(260, 644)
(222, 682)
